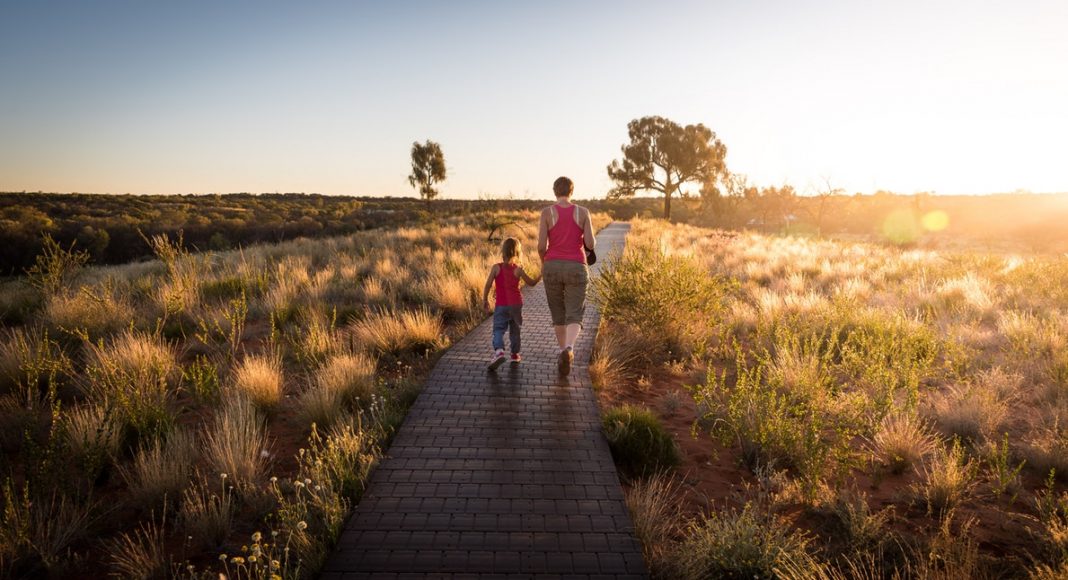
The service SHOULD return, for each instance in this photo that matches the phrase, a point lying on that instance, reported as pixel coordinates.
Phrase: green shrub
(225, 289)
(804, 434)
(669, 297)
(638, 441)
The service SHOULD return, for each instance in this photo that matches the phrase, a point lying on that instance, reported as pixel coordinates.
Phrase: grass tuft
(236, 444)
(259, 379)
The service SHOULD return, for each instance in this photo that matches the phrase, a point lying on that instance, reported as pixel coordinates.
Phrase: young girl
(508, 313)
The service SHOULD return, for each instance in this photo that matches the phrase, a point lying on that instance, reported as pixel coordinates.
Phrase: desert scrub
(669, 297)
(804, 434)
(92, 437)
(133, 374)
(640, 445)
(948, 479)
(747, 543)
(36, 531)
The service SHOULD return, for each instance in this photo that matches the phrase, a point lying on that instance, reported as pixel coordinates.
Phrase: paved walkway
(503, 475)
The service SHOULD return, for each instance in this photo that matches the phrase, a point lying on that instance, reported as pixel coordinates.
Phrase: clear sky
(954, 96)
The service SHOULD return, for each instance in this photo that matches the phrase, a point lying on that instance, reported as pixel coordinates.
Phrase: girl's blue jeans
(508, 318)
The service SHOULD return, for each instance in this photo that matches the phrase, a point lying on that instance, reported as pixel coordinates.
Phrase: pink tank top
(566, 237)
(506, 286)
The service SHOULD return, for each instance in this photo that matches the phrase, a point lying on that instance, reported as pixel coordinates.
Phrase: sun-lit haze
(193, 97)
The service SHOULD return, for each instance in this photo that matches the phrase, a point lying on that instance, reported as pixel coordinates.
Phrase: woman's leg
(554, 282)
(575, 303)
(571, 332)
(515, 329)
(561, 335)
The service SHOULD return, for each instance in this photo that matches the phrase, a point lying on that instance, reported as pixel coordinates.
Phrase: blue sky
(153, 97)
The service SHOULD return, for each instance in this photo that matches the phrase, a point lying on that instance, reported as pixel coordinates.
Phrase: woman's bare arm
(591, 241)
(543, 233)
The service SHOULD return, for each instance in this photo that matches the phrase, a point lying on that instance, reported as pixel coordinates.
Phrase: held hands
(486, 306)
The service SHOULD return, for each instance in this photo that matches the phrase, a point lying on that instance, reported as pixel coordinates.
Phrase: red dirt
(713, 477)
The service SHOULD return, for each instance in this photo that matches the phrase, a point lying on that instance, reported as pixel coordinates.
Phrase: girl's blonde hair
(510, 250)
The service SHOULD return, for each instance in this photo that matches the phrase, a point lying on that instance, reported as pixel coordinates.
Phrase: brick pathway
(502, 475)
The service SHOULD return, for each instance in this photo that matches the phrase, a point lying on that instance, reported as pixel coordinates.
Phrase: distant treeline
(113, 228)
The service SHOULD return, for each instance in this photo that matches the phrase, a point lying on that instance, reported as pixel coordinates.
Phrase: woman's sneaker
(516, 358)
(498, 359)
(563, 362)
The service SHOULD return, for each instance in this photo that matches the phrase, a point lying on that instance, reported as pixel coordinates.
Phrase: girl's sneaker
(498, 359)
(516, 358)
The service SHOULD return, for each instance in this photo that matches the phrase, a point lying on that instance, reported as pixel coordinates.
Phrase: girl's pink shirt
(506, 285)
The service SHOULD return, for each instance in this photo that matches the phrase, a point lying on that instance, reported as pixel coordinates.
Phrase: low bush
(638, 441)
(743, 544)
(948, 479)
(668, 297)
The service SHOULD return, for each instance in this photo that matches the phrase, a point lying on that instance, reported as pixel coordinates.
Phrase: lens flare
(935, 221)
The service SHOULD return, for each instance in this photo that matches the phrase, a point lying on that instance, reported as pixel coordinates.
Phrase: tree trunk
(667, 205)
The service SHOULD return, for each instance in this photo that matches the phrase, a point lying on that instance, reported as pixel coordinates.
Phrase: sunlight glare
(935, 221)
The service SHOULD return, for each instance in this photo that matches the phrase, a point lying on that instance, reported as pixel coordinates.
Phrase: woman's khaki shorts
(565, 290)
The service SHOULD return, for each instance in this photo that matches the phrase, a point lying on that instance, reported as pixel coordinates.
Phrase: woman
(564, 232)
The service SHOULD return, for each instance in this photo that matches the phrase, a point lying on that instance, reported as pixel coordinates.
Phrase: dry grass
(161, 470)
(970, 412)
(260, 380)
(948, 479)
(207, 510)
(140, 555)
(392, 333)
(1046, 447)
(343, 381)
(97, 314)
(616, 358)
(40, 529)
(133, 373)
(654, 510)
(92, 434)
(825, 344)
(236, 444)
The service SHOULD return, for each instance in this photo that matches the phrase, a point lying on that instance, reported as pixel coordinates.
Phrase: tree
(824, 202)
(428, 168)
(663, 156)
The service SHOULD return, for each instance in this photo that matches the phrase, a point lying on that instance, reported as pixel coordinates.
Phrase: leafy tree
(428, 168)
(663, 156)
